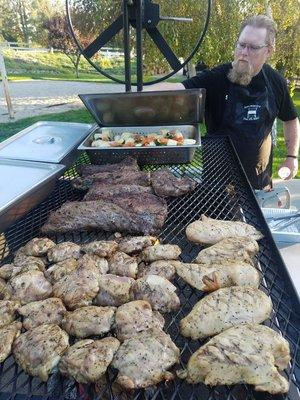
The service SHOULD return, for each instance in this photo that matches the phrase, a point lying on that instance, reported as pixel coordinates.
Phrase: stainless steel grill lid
(172, 107)
(44, 141)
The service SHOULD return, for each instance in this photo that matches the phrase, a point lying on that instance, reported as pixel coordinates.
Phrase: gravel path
(31, 98)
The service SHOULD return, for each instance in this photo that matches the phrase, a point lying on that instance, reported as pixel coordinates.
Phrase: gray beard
(239, 77)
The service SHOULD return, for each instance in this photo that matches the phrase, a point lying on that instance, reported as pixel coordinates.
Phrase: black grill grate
(222, 192)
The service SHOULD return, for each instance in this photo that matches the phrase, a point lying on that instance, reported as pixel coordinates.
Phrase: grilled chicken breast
(8, 334)
(38, 247)
(92, 259)
(135, 244)
(61, 269)
(144, 359)
(229, 249)
(210, 231)
(79, 288)
(161, 252)
(249, 354)
(114, 290)
(63, 251)
(87, 360)
(30, 286)
(134, 317)
(49, 311)
(122, 264)
(225, 308)
(210, 277)
(88, 321)
(39, 350)
(158, 291)
(164, 268)
(102, 248)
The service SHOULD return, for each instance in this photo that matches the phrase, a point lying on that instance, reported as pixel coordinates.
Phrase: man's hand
(292, 164)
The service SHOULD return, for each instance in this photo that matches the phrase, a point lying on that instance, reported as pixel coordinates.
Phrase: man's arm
(291, 132)
(163, 86)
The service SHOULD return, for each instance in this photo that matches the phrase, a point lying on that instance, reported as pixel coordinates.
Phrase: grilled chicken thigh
(63, 251)
(5, 290)
(102, 248)
(38, 247)
(61, 269)
(161, 252)
(88, 321)
(144, 359)
(8, 310)
(87, 360)
(78, 288)
(210, 277)
(164, 268)
(135, 244)
(229, 249)
(225, 308)
(30, 286)
(158, 291)
(39, 350)
(134, 317)
(210, 231)
(49, 311)
(114, 290)
(92, 259)
(6, 271)
(249, 354)
(8, 334)
(22, 261)
(122, 264)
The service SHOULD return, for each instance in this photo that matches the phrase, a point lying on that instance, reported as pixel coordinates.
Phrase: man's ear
(271, 49)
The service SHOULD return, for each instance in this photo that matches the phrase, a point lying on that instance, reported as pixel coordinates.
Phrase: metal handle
(180, 19)
(44, 140)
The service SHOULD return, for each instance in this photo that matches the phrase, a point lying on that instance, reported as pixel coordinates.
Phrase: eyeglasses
(250, 47)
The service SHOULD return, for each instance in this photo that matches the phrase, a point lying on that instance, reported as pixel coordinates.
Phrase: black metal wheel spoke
(133, 14)
(104, 38)
(164, 48)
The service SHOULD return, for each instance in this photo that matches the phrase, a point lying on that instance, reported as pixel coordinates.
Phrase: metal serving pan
(144, 155)
(171, 107)
(23, 185)
(46, 141)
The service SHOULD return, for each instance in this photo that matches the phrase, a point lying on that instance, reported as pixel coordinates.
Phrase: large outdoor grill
(222, 192)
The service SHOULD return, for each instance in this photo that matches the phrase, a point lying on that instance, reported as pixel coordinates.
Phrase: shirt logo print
(251, 112)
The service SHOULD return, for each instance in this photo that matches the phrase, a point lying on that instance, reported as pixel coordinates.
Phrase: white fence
(108, 52)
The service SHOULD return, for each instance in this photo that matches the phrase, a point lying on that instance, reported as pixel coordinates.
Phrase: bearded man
(244, 97)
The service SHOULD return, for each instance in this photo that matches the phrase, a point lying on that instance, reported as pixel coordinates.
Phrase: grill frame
(217, 169)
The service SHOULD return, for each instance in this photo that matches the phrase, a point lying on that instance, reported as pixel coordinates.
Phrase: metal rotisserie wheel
(222, 192)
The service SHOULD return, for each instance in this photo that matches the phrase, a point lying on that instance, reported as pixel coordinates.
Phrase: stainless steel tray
(171, 107)
(52, 142)
(144, 155)
(283, 223)
(23, 185)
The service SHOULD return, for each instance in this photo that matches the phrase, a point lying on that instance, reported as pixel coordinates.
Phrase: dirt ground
(31, 98)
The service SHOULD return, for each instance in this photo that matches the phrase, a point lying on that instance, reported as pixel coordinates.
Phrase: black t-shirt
(216, 83)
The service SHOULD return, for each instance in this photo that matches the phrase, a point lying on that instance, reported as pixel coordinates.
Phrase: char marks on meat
(100, 191)
(127, 216)
(124, 177)
(165, 184)
(90, 169)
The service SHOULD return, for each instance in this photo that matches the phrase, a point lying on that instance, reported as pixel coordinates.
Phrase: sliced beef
(165, 184)
(90, 169)
(124, 177)
(107, 216)
(100, 191)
